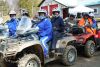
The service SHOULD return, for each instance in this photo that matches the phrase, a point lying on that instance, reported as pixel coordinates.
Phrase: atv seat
(77, 30)
(50, 43)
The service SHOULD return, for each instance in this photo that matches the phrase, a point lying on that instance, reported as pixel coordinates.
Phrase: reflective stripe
(43, 42)
(37, 28)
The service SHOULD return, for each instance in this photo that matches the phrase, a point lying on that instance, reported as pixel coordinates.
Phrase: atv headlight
(2, 45)
(11, 48)
(2, 41)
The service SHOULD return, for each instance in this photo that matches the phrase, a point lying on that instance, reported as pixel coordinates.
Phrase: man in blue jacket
(44, 30)
(12, 23)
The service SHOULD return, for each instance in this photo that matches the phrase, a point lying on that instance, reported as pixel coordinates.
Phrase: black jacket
(58, 24)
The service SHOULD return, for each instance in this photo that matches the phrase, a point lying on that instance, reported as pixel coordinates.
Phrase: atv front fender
(62, 43)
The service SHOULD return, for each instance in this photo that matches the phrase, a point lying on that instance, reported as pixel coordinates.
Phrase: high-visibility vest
(82, 23)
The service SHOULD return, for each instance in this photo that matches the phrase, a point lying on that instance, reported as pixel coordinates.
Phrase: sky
(87, 2)
(76, 2)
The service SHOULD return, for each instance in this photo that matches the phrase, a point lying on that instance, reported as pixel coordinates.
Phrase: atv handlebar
(26, 33)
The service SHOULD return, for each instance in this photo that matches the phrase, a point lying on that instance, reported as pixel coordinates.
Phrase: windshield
(25, 24)
(3, 31)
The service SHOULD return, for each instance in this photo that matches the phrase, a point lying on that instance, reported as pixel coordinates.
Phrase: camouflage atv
(26, 51)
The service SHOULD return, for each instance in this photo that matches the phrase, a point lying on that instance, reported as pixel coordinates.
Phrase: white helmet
(42, 11)
(56, 10)
(12, 12)
(91, 15)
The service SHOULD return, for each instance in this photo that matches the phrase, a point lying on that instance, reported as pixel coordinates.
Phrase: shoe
(53, 51)
(47, 56)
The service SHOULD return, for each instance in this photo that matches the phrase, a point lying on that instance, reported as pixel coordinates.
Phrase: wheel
(89, 48)
(69, 55)
(2, 63)
(30, 60)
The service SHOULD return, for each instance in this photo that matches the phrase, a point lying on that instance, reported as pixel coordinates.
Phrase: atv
(25, 50)
(90, 42)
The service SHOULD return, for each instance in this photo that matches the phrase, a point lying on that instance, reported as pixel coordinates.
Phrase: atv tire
(29, 60)
(2, 63)
(69, 55)
(89, 48)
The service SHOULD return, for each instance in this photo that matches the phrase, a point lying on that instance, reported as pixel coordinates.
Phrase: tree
(26, 4)
(30, 5)
(3, 8)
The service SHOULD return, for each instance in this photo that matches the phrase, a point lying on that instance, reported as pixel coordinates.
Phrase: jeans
(56, 36)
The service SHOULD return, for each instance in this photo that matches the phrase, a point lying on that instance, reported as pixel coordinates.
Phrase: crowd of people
(50, 29)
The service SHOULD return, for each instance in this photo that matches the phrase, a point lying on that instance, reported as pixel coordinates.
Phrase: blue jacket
(12, 26)
(45, 28)
(94, 24)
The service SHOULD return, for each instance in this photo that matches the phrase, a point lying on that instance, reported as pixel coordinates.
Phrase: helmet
(12, 12)
(72, 15)
(85, 14)
(56, 10)
(25, 12)
(40, 16)
(42, 11)
(91, 15)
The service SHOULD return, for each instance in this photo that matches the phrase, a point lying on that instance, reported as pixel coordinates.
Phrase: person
(12, 23)
(86, 23)
(70, 22)
(91, 15)
(25, 23)
(58, 27)
(44, 28)
(35, 20)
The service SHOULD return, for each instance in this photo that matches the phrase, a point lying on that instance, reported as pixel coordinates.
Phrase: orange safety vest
(82, 23)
